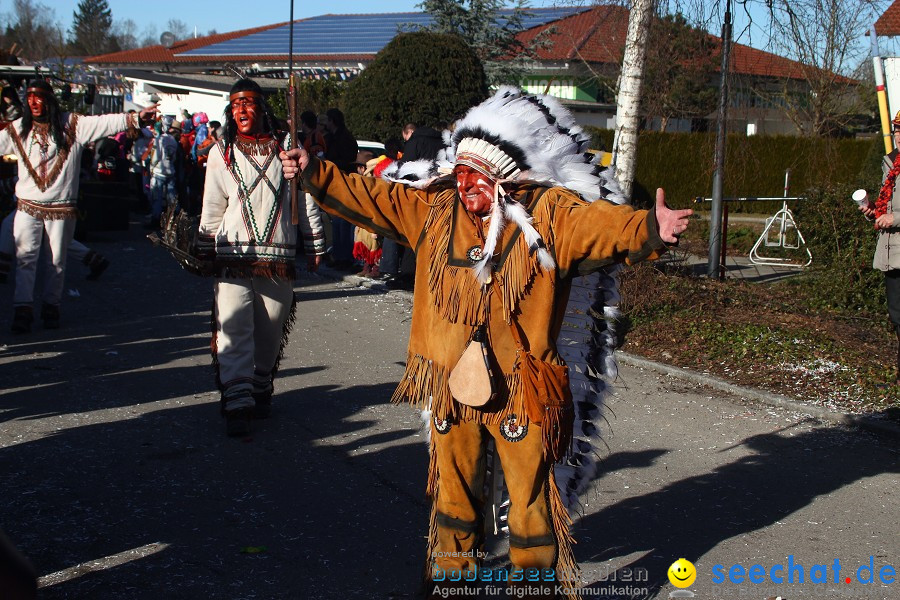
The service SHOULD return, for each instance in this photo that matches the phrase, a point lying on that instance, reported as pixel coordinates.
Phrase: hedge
(842, 243)
(682, 164)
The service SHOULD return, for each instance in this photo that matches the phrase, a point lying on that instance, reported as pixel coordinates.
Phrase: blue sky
(229, 15)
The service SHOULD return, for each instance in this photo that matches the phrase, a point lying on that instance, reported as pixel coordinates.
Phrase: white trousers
(77, 250)
(29, 233)
(250, 317)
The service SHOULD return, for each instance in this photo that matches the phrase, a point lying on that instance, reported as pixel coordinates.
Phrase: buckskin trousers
(29, 234)
(459, 501)
(250, 318)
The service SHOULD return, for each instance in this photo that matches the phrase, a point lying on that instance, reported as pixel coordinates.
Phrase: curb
(768, 398)
(823, 414)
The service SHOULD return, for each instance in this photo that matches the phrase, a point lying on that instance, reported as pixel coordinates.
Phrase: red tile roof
(598, 36)
(888, 23)
(161, 54)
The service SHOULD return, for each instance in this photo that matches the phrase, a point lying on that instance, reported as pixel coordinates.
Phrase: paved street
(118, 481)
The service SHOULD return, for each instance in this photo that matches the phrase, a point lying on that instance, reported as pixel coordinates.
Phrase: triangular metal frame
(784, 219)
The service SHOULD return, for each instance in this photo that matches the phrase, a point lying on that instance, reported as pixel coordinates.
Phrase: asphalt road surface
(118, 482)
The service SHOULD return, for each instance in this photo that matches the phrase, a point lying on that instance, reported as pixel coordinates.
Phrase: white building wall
(212, 103)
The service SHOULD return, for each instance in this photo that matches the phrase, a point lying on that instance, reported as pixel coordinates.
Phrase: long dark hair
(54, 116)
(268, 120)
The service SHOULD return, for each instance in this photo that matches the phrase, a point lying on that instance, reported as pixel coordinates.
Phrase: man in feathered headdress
(499, 243)
(246, 229)
(48, 144)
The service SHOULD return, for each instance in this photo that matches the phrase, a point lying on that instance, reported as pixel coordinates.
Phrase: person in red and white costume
(48, 144)
(246, 229)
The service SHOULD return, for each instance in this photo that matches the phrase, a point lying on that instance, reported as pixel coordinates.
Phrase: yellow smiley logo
(682, 573)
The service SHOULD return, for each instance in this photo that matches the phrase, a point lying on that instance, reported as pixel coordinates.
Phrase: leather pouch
(473, 381)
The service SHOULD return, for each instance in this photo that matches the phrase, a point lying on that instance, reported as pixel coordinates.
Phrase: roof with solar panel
(339, 45)
(346, 34)
(348, 37)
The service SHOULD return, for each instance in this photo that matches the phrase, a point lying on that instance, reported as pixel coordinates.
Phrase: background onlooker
(367, 245)
(398, 263)
(341, 149)
(312, 138)
(164, 170)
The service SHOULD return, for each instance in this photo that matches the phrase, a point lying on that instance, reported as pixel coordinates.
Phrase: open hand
(671, 223)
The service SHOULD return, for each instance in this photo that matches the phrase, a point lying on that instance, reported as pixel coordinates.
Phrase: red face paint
(476, 190)
(246, 115)
(36, 104)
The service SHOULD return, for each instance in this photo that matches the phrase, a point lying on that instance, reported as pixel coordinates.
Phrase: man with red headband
(48, 144)
(499, 242)
(246, 228)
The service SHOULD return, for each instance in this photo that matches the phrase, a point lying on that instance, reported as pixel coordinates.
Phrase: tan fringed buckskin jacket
(448, 301)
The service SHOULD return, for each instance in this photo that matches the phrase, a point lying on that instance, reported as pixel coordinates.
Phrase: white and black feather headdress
(514, 136)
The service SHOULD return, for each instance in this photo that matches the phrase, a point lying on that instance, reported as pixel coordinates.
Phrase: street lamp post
(715, 223)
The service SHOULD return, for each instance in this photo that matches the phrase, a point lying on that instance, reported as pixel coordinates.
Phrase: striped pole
(882, 94)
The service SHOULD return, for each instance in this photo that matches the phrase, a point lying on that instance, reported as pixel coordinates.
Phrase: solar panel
(346, 34)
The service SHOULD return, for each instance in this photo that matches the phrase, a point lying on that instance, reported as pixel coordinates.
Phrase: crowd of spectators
(165, 164)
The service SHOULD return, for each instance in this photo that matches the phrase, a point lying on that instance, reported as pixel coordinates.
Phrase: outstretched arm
(670, 223)
(392, 210)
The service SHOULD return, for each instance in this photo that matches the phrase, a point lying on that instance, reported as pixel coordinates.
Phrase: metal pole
(715, 223)
(291, 51)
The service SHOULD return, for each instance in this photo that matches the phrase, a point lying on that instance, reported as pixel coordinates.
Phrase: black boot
(22, 320)
(97, 263)
(237, 408)
(262, 395)
(50, 315)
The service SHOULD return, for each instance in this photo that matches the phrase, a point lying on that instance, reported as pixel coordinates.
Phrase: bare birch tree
(628, 114)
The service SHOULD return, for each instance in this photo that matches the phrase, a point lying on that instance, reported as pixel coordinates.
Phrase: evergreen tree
(425, 78)
(490, 34)
(91, 32)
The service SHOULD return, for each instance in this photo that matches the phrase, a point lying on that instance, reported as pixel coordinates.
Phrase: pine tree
(91, 32)
(490, 34)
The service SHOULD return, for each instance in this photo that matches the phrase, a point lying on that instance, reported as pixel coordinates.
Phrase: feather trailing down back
(524, 136)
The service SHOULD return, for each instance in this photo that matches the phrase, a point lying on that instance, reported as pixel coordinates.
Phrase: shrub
(424, 78)
(682, 163)
(317, 95)
(842, 243)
